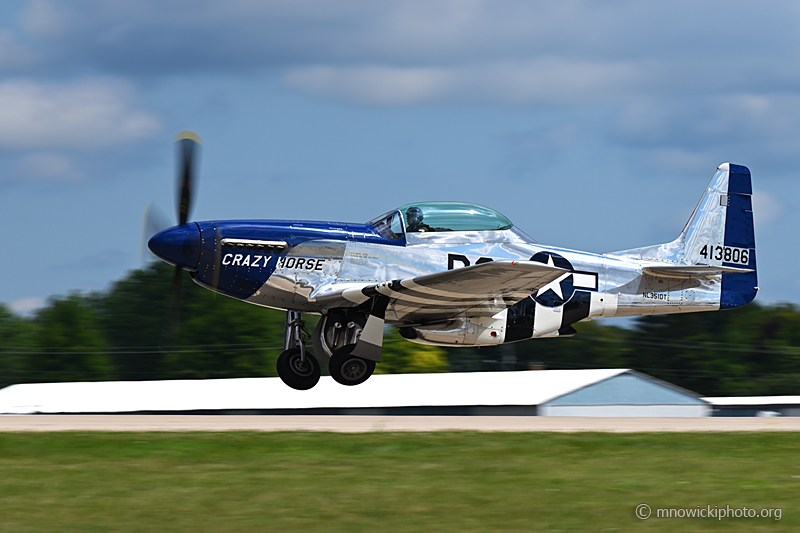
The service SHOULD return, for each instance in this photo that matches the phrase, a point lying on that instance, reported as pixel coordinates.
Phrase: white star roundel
(559, 291)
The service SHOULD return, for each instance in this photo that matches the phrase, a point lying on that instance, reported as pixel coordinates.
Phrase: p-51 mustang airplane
(453, 274)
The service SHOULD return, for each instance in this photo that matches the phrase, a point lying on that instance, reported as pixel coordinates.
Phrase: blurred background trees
(125, 333)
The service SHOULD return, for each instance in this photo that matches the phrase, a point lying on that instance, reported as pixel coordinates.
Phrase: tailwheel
(350, 369)
(298, 372)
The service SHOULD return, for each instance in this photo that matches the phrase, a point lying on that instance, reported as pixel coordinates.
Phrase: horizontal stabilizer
(692, 272)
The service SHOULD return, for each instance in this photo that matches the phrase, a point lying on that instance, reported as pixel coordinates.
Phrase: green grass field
(387, 482)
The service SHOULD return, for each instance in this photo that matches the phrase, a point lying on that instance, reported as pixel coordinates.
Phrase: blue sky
(592, 125)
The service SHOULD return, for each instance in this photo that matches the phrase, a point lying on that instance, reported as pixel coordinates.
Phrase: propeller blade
(188, 144)
(175, 305)
(171, 325)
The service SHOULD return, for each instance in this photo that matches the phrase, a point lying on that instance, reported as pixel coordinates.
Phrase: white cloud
(26, 306)
(47, 18)
(407, 52)
(652, 119)
(49, 166)
(690, 133)
(541, 81)
(371, 85)
(421, 32)
(84, 114)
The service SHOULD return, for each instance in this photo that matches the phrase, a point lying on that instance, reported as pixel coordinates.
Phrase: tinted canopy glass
(452, 216)
(388, 225)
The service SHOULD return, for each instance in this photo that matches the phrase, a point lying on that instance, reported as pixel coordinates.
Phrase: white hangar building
(755, 405)
(605, 392)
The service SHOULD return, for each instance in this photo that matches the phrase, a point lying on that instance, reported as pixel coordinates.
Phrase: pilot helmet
(414, 215)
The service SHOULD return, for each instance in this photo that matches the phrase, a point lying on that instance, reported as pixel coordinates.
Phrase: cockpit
(438, 217)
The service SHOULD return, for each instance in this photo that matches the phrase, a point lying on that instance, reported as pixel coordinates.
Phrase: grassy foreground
(386, 482)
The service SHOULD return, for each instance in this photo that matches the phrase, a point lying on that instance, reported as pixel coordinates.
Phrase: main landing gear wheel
(350, 369)
(299, 373)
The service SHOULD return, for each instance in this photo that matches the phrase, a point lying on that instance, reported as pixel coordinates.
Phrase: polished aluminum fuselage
(615, 285)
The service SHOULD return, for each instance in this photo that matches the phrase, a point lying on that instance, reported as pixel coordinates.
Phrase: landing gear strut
(334, 331)
(334, 340)
(296, 366)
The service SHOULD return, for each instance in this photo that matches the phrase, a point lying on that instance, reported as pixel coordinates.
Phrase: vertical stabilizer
(719, 234)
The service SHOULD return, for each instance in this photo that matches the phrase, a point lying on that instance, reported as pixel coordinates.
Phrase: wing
(478, 290)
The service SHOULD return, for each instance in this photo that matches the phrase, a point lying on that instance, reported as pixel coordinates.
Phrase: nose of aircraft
(178, 245)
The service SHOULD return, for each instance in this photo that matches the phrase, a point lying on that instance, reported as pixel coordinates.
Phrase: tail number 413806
(727, 254)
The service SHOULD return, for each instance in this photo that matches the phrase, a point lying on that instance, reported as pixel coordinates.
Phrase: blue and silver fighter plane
(453, 274)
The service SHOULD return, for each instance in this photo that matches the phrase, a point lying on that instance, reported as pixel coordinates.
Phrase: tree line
(132, 332)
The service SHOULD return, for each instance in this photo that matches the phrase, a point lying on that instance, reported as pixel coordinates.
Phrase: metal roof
(629, 388)
(390, 390)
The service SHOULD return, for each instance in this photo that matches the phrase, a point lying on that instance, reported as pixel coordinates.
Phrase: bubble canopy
(425, 217)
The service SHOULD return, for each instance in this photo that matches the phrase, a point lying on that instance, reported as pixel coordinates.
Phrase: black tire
(300, 375)
(350, 369)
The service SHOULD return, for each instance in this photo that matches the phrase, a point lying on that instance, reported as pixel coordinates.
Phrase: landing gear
(334, 340)
(296, 367)
(334, 331)
(349, 369)
(300, 373)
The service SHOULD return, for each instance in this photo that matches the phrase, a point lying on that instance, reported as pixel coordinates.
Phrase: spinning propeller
(180, 245)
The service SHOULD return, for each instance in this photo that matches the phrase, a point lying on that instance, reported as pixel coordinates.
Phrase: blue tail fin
(739, 289)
